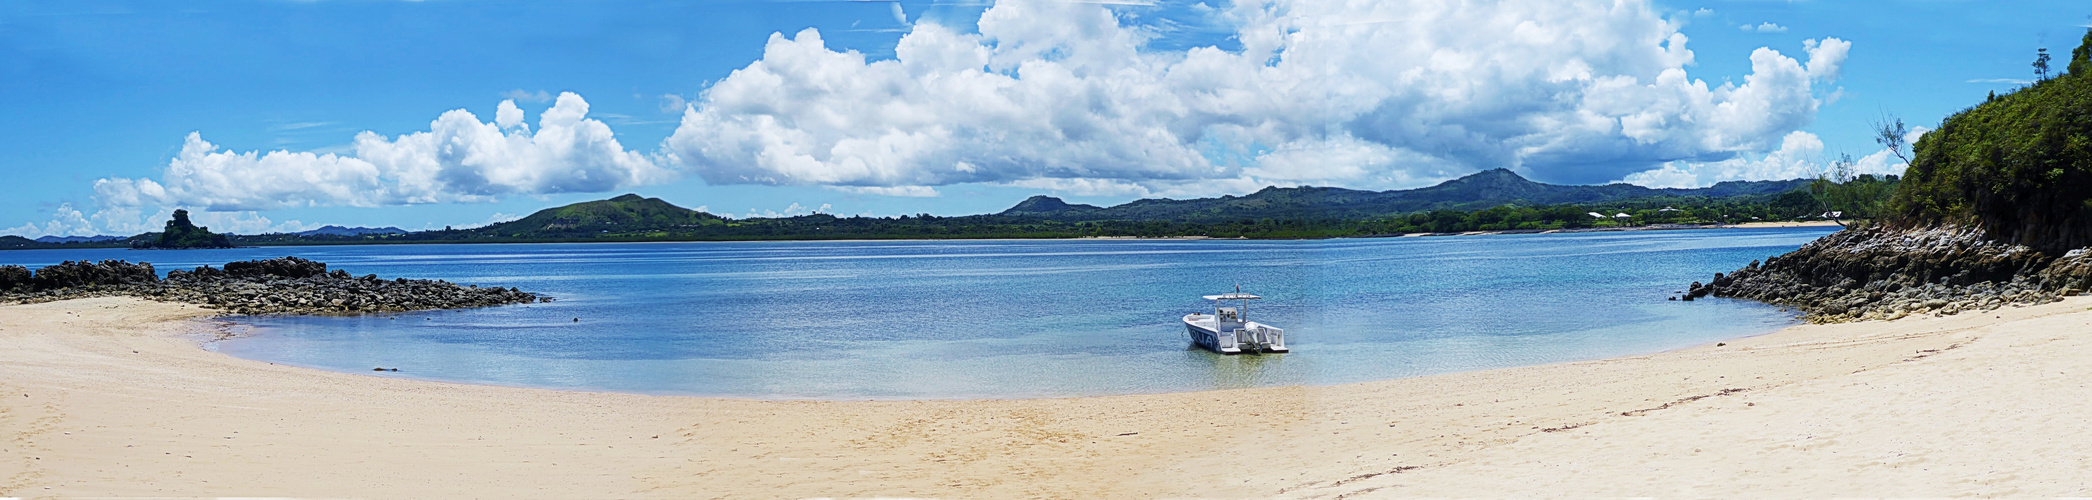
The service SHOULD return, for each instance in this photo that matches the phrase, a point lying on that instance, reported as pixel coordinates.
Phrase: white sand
(1813, 223)
(106, 397)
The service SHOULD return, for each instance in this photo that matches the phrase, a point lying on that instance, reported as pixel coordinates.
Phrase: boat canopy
(1233, 296)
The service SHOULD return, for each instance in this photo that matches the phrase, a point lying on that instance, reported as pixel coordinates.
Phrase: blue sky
(121, 111)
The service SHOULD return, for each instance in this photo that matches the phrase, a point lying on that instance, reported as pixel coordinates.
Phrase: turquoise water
(1009, 319)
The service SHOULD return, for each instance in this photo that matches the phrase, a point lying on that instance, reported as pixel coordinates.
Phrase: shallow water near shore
(1009, 319)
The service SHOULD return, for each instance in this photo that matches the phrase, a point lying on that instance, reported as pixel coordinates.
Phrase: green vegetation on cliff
(2018, 166)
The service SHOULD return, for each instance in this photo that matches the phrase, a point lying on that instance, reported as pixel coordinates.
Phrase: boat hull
(1209, 339)
(1253, 337)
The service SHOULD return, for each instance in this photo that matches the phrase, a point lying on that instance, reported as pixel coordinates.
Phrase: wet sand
(114, 397)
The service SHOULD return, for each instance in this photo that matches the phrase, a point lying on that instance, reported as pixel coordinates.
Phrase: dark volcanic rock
(1884, 273)
(84, 273)
(287, 285)
(12, 277)
(287, 267)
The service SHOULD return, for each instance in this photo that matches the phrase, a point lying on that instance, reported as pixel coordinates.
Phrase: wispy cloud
(2001, 80)
(792, 211)
(1766, 27)
(287, 127)
(624, 119)
(527, 96)
(900, 191)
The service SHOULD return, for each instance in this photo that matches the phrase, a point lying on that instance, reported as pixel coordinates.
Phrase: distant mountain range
(1271, 212)
(1312, 212)
(77, 239)
(350, 231)
(1477, 191)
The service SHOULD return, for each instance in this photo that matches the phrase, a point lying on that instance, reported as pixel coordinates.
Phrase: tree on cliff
(2041, 65)
(2081, 58)
(1858, 198)
(181, 233)
(2018, 167)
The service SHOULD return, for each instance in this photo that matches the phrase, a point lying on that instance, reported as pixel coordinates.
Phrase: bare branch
(1890, 133)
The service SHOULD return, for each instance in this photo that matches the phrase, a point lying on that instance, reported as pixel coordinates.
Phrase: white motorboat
(1229, 331)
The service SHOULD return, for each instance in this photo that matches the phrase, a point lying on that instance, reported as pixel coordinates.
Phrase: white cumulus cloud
(65, 221)
(1359, 94)
(127, 221)
(458, 159)
(1799, 156)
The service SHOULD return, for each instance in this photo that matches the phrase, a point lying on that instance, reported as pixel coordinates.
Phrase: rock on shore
(288, 285)
(1887, 273)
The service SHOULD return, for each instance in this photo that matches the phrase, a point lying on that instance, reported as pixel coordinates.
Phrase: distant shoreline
(1648, 227)
(1652, 227)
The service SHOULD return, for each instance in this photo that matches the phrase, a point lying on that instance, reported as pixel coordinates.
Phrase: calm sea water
(1009, 319)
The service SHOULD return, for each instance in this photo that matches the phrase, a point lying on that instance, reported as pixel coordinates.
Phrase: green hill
(2018, 166)
(624, 214)
(1046, 206)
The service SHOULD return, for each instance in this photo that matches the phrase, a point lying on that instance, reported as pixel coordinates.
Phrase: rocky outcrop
(12, 277)
(181, 233)
(287, 267)
(77, 274)
(288, 285)
(1885, 273)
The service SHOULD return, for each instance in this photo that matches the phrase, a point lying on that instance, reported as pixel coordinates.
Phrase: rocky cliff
(1888, 273)
(1995, 210)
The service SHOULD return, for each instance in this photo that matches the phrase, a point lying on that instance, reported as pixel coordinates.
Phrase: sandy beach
(113, 397)
(1813, 223)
